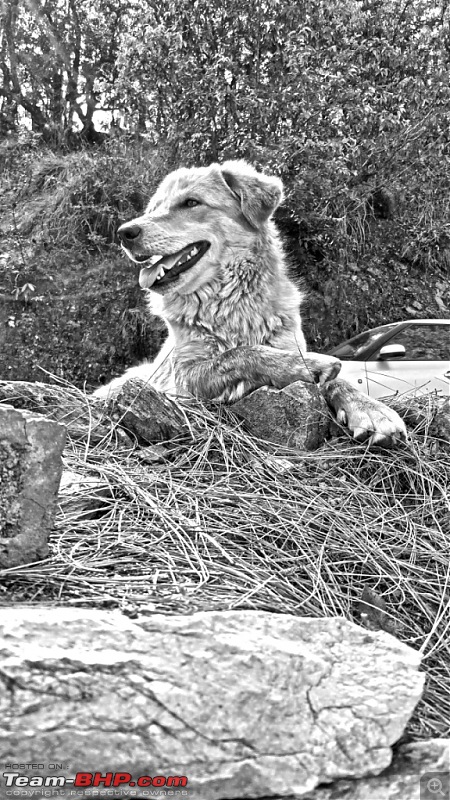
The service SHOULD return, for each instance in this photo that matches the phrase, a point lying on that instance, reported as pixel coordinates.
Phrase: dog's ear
(258, 194)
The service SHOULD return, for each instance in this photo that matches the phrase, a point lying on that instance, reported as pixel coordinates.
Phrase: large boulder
(242, 703)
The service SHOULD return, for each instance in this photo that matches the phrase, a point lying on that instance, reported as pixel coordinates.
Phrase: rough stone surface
(411, 776)
(296, 416)
(30, 471)
(146, 413)
(245, 704)
(94, 496)
(84, 417)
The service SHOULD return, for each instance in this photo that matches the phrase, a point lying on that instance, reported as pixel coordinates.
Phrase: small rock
(296, 416)
(149, 415)
(94, 495)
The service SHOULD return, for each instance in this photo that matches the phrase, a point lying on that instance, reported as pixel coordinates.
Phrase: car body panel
(355, 373)
(385, 378)
(381, 377)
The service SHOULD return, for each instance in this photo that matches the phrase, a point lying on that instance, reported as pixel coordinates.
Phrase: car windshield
(357, 347)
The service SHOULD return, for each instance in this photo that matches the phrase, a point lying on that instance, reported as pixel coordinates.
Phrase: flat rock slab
(30, 471)
(296, 416)
(243, 703)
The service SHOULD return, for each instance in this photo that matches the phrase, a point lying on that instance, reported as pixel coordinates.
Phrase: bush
(80, 198)
(85, 319)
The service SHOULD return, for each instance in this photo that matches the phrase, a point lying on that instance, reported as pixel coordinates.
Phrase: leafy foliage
(84, 318)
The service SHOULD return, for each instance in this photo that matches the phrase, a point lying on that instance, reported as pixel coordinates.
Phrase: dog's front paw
(367, 419)
(322, 368)
(372, 421)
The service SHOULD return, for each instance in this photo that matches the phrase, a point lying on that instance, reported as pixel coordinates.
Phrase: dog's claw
(367, 419)
(341, 417)
(374, 425)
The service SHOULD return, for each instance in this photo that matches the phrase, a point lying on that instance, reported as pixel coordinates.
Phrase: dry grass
(220, 521)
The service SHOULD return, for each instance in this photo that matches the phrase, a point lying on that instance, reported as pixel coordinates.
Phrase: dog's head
(197, 220)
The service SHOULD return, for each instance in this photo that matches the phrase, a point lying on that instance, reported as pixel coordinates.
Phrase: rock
(440, 426)
(296, 416)
(149, 415)
(30, 471)
(82, 415)
(243, 703)
(94, 496)
(412, 776)
(430, 414)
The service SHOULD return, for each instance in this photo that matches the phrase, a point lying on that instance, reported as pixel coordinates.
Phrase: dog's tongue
(148, 275)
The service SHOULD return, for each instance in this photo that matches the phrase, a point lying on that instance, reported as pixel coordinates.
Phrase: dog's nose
(129, 232)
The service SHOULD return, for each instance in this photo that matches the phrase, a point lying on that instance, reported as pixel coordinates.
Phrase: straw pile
(219, 520)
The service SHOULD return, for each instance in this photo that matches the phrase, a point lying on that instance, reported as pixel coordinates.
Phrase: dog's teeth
(193, 252)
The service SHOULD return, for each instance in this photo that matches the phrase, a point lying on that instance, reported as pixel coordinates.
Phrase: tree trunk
(14, 90)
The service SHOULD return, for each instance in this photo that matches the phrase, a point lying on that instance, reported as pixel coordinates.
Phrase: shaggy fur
(231, 310)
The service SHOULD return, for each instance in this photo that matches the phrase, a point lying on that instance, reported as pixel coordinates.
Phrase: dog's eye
(190, 202)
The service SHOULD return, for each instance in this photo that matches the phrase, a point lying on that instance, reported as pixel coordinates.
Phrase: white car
(402, 357)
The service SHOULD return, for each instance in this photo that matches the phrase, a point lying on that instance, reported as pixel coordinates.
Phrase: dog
(212, 264)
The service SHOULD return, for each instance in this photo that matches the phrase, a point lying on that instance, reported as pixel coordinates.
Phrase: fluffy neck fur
(231, 304)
